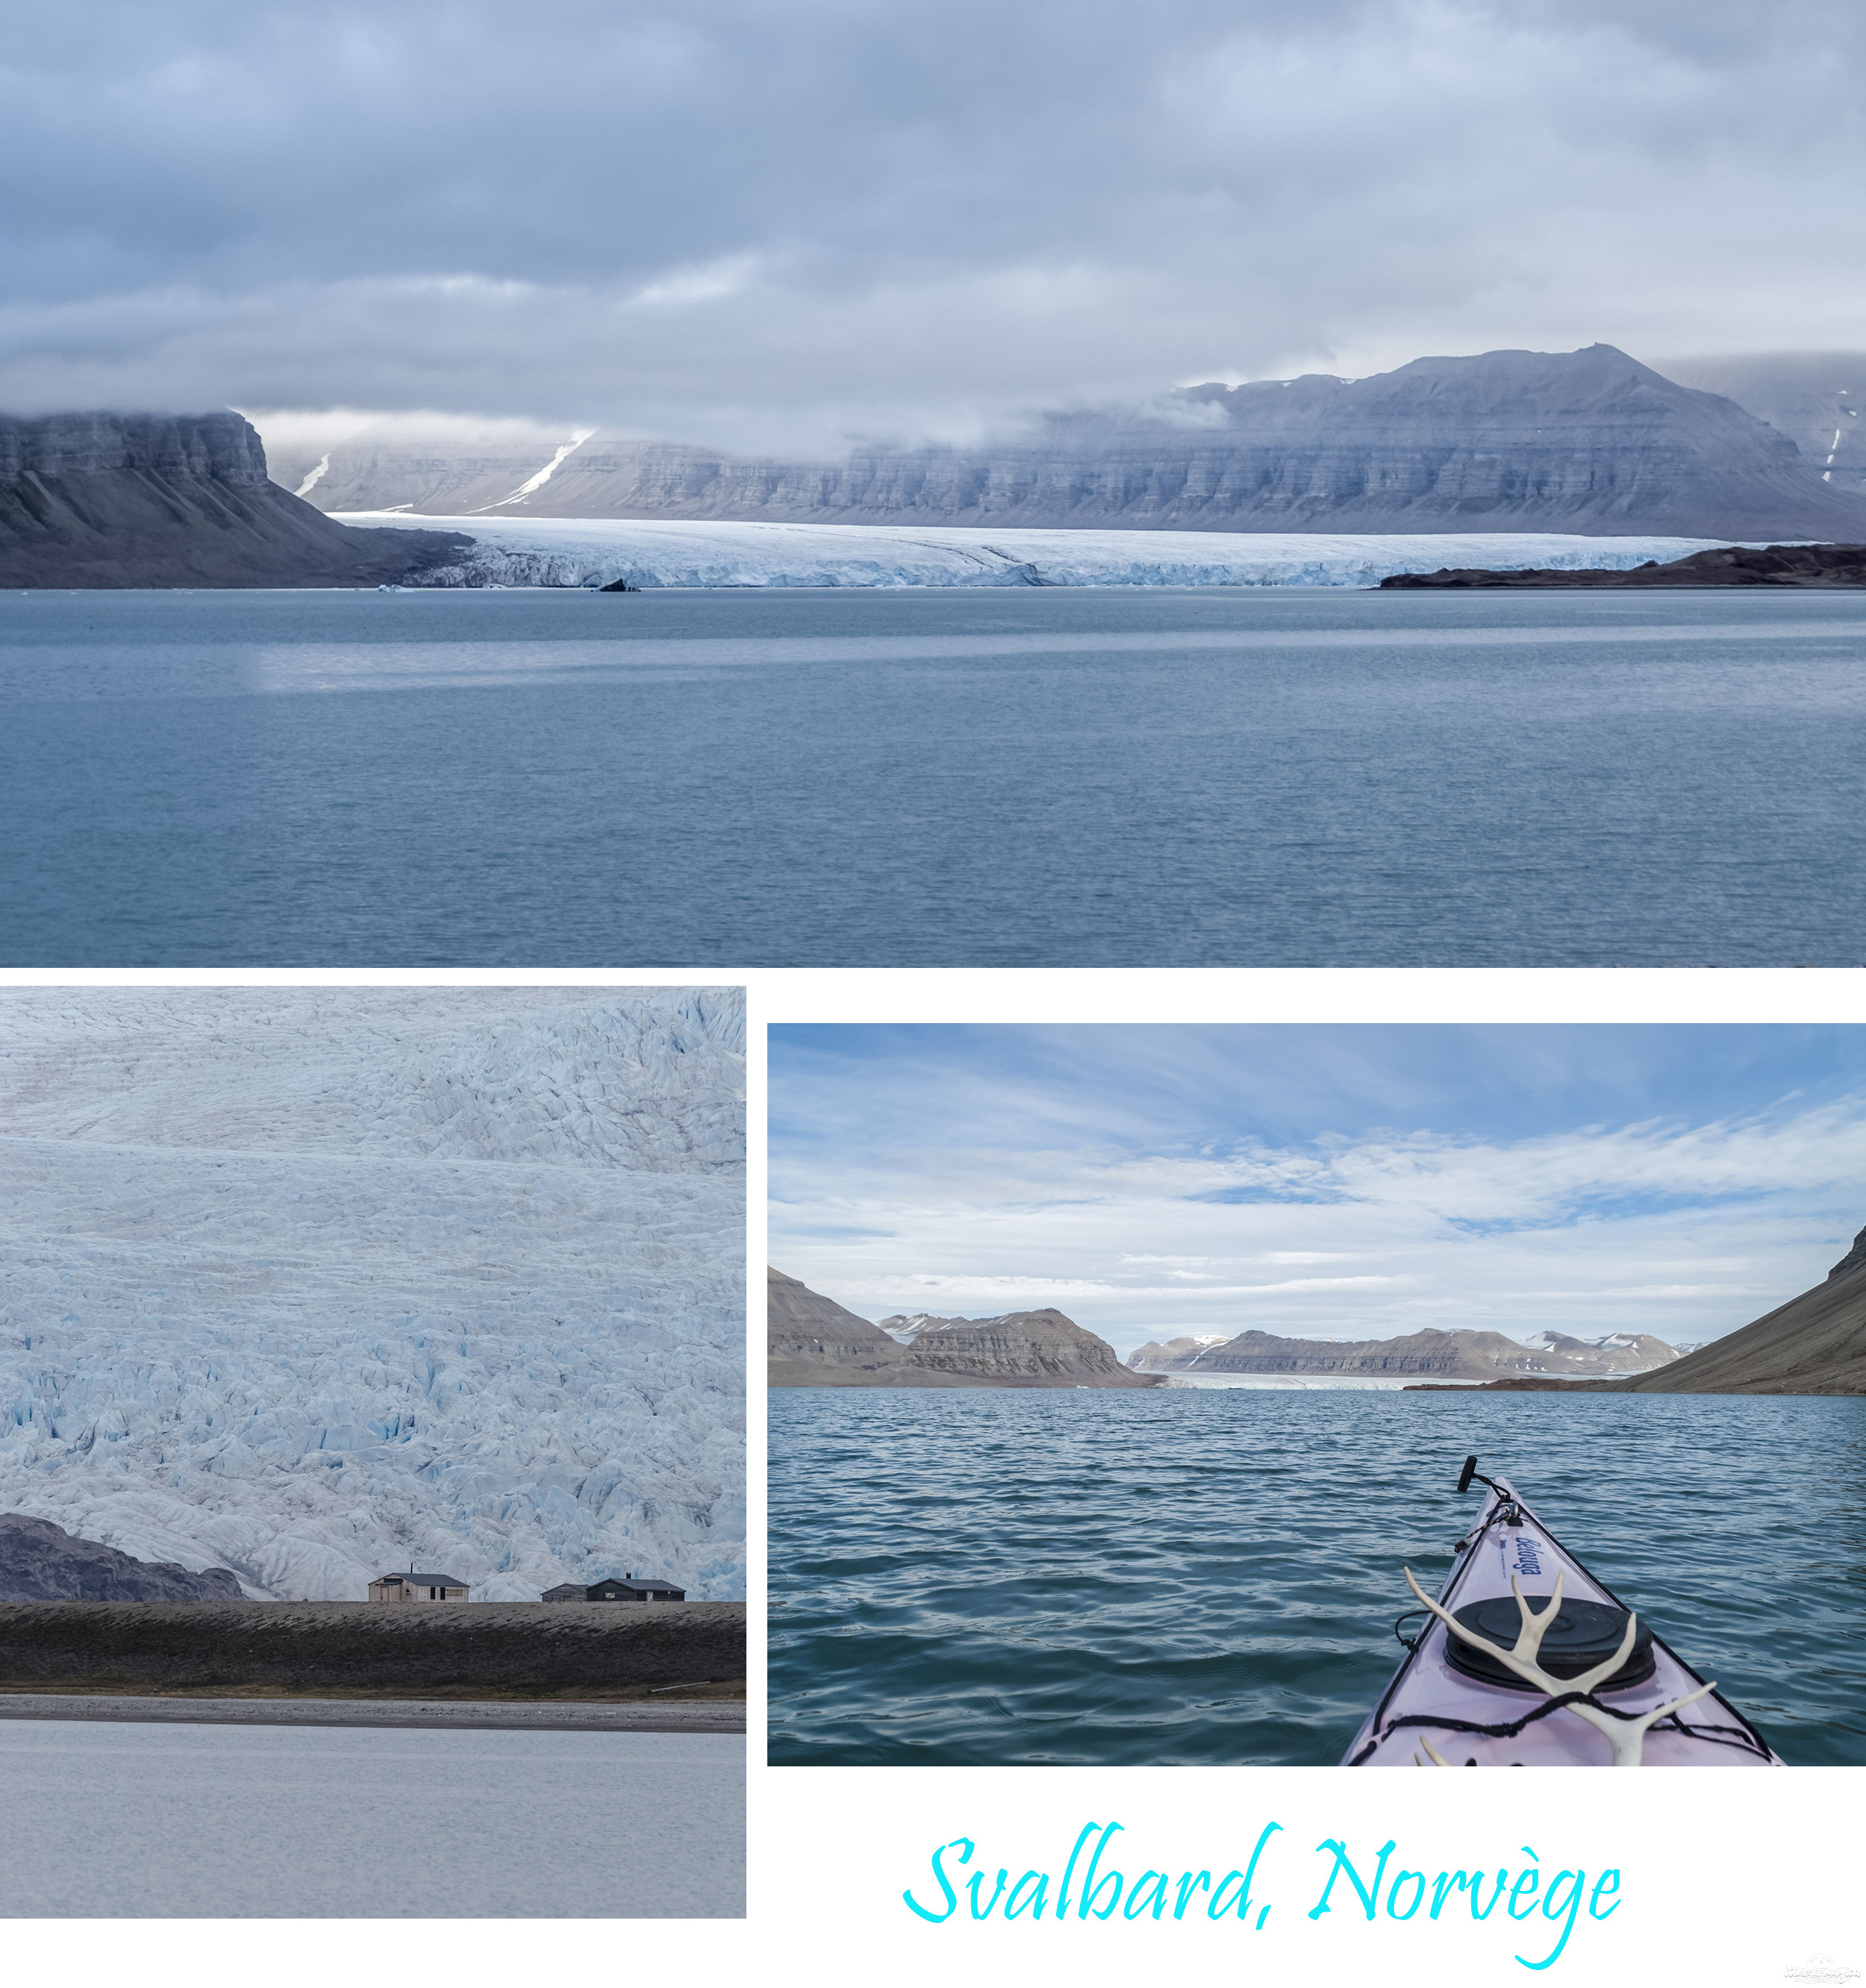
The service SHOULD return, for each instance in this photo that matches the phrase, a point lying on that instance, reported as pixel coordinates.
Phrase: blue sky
(1335, 1182)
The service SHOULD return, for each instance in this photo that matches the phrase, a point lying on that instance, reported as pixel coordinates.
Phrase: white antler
(1626, 1737)
(1438, 1759)
(1629, 1736)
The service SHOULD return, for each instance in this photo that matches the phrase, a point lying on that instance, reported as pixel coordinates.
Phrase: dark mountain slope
(151, 500)
(1814, 1344)
(1817, 399)
(806, 1330)
(42, 1562)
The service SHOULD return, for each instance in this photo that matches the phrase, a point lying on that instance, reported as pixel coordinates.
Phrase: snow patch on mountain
(657, 553)
(905, 1331)
(533, 484)
(311, 1283)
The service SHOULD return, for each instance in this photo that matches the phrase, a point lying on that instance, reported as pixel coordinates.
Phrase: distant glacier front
(316, 1283)
(657, 553)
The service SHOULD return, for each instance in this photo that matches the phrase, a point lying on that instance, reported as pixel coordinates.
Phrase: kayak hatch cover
(1455, 1702)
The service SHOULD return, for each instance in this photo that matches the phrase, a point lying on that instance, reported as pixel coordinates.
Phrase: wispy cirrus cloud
(1684, 1225)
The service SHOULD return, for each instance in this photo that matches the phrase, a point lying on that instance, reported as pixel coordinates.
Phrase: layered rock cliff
(1037, 1347)
(814, 1342)
(1589, 441)
(805, 1330)
(106, 500)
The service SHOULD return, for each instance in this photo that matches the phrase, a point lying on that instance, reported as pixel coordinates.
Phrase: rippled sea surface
(977, 1577)
(1037, 776)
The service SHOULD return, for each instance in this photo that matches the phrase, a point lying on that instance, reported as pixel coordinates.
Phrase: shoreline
(725, 1717)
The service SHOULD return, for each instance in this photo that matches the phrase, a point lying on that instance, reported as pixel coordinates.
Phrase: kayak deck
(1430, 1699)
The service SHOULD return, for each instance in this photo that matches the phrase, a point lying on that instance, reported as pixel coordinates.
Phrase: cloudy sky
(783, 224)
(1329, 1182)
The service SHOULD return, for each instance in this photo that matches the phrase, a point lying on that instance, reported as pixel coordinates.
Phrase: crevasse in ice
(313, 1284)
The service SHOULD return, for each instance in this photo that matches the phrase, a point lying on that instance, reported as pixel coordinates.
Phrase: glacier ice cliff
(654, 552)
(311, 1283)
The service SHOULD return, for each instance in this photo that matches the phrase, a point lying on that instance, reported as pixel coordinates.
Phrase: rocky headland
(42, 1562)
(104, 500)
(813, 1342)
(1814, 1344)
(1724, 566)
(1587, 442)
(1462, 1355)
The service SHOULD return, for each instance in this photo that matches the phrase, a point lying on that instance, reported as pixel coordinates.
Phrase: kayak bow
(1526, 1660)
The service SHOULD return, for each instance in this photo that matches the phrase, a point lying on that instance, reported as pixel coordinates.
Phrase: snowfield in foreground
(593, 552)
(313, 1283)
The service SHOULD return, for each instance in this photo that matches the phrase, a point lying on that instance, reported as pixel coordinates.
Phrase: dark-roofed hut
(617, 1590)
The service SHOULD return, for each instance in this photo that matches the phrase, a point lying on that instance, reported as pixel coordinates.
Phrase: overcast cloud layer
(1331, 1183)
(763, 225)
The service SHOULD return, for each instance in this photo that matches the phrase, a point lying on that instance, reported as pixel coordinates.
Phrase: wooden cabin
(413, 1587)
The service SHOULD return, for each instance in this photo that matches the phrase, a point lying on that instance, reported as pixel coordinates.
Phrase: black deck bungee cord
(1509, 1731)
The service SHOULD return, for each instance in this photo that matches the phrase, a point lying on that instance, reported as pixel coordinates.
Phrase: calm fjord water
(1026, 777)
(978, 1577)
(125, 1820)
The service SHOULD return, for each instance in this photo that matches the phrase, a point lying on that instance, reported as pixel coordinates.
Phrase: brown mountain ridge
(813, 1342)
(1461, 1355)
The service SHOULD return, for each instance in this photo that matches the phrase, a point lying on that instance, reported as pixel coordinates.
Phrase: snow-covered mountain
(311, 1283)
(1613, 1352)
(904, 1329)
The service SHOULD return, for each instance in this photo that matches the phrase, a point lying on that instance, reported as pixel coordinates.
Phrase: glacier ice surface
(312, 1282)
(654, 552)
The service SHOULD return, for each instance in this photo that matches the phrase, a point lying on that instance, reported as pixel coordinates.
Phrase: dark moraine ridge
(103, 500)
(1723, 566)
(515, 1648)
